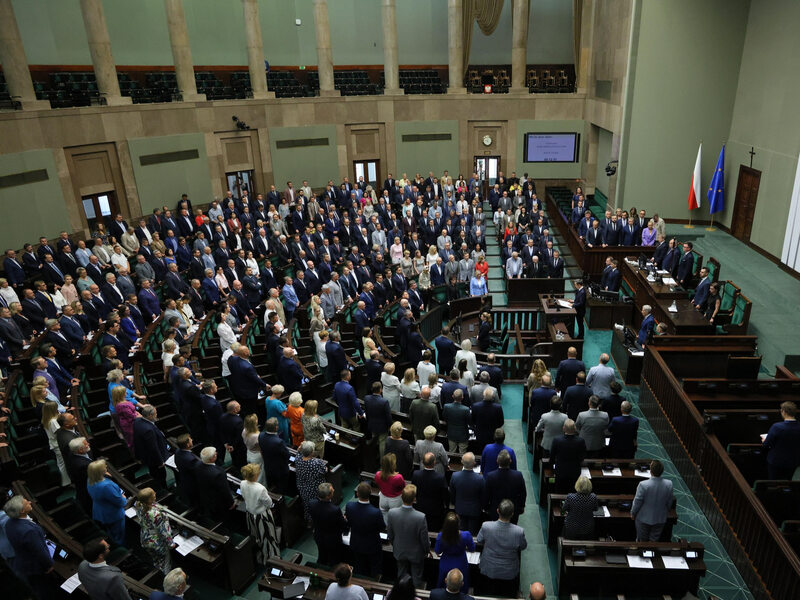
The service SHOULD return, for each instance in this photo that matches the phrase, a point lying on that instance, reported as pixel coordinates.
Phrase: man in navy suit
(783, 444)
(623, 430)
(374, 368)
(150, 445)
(360, 317)
(468, 494)
(216, 499)
(487, 416)
(686, 265)
(454, 581)
(71, 328)
(186, 462)
(275, 456)
(13, 270)
(646, 329)
(246, 382)
(329, 525)
(148, 301)
(568, 370)
(630, 234)
(613, 278)
(505, 482)
(579, 304)
(366, 524)
(112, 338)
(432, 493)
(230, 427)
(337, 359)
(576, 397)
(446, 351)
(289, 372)
(701, 290)
(566, 456)
(32, 561)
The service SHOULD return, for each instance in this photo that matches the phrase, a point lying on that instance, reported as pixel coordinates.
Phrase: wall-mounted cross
(752, 154)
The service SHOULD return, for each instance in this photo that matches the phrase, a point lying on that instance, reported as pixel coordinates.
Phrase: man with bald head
(537, 592)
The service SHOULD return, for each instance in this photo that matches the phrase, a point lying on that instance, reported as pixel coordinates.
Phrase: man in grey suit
(476, 393)
(101, 581)
(600, 377)
(591, 425)
(502, 543)
(651, 504)
(408, 534)
(551, 423)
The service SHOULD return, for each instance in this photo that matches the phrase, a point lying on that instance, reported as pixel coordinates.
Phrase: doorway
(369, 170)
(488, 169)
(238, 181)
(99, 208)
(745, 206)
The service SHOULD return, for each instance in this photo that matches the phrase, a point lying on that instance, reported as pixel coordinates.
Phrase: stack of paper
(585, 472)
(674, 562)
(637, 562)
(669, 281)
(473, 558)
(346, 539)
(71, 584)
(645, 474)
(130, 512)
(186, 545)
(170, 462)
(564, 304)
(613, 473)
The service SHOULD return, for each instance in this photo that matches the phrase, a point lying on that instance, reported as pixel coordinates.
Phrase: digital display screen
(551, 147)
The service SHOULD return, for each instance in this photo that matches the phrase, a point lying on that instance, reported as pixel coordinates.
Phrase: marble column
(255, 51)
(105, 72)
(15, 63)
(519, 45)
(181, 51)
(455, 47)
(322, 27)
(390, 66)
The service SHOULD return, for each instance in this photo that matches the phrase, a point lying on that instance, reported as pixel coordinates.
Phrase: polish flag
(694, 191)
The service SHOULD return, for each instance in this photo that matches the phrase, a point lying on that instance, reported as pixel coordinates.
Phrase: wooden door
(745, 207)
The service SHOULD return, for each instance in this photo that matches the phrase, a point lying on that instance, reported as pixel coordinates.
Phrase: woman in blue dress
(452, 546)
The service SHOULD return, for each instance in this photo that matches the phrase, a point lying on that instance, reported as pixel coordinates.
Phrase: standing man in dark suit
(566, 456)
(329, 525)
(275, 456)
(505, 483)
(379, 415)
(468, 494)
(337, 359)
(100, 580)
(487, 416)
(32, 561)
(231, 426)
(77, 459)
(453, 581)
(187, 463)
(216, 499)
(245, 382)
(568, 370)
(446, 350)
(366, 524)
(623, 430)
(576, 397)
(686, 266)
(613, 277)
(579, 304)
(432, 492)
(150, 445)
(783, 444)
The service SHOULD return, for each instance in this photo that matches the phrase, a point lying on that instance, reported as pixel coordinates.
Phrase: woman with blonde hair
(50, 426)
(409, 389)
(390, 483)
(407, 264)
(84, 282)
(432, 255)
(68, 290)
(320, 341)
(294, 412)
(314, 428)
(258, 505)
(538, 368)
(124, 413)
(467, 354)
(155, 534)
(250, 435)
(396, 251)
(367, 343)
(40, 393)
(108, 501)
(391, 386)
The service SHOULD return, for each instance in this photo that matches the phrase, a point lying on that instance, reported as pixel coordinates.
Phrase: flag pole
(689, 226)
(711, 226)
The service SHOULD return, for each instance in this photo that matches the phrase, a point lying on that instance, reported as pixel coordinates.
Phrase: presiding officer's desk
(615, 523)
(608, 475)
(584, 568)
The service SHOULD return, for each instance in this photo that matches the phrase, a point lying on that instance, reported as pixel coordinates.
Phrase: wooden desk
(603, 315)
(641, 286)
(618, 524)
(687, 321)
(553, 311)
(595, 576)
(629, 365)
(524, 292)
(602, 482)
(560, 347)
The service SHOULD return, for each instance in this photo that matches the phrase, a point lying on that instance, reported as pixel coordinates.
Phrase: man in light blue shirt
(651, 504)
(600, 377)
(502, 543)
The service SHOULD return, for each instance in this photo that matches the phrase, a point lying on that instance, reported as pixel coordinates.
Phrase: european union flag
(716, 190)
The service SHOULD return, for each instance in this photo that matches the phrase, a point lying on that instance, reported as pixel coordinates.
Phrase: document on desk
(346, 539)
(306, 581)
(669, 281)
(637, 562)
(585, 472)
(563, 304)
(71, 584)
(186, 545)
(763, 436)
(674, 562)
(130, 512)
(617, 472)
(645, 474)
(473, 558)
(170, 462)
